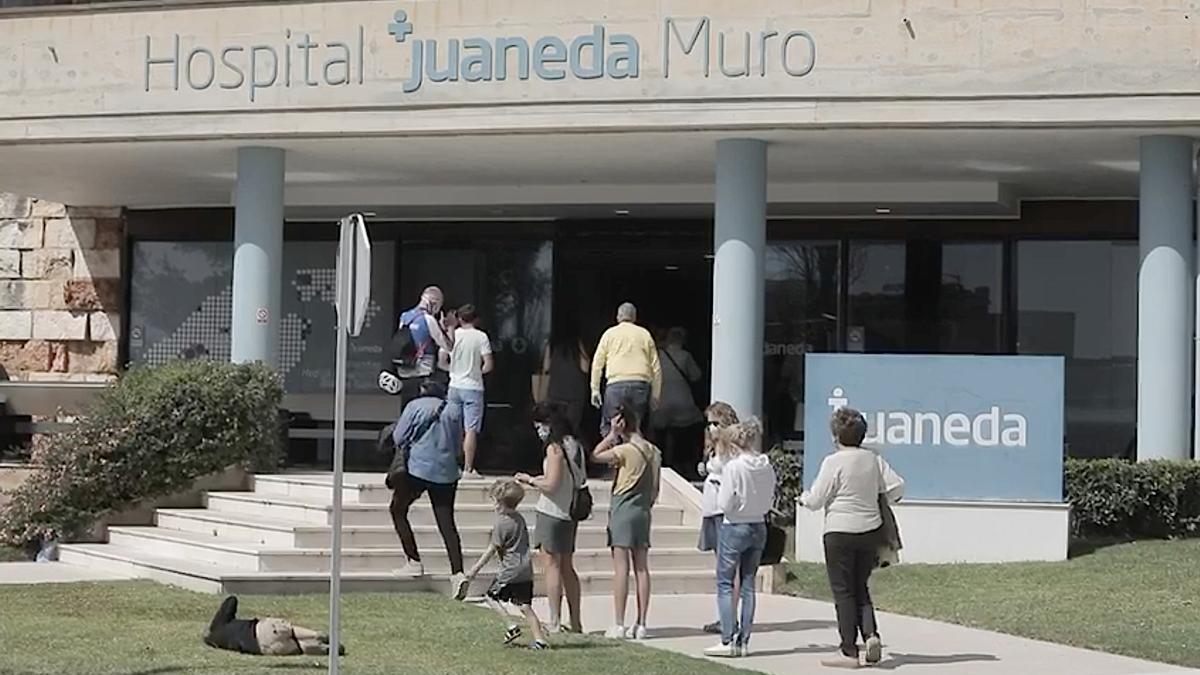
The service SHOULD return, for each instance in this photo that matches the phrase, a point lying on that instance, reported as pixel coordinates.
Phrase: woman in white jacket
(849, 486)
(717, 451)
(746, 495)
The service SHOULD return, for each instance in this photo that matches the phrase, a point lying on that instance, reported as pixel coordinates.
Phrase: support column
(258, 256)
(738, 293)
(1165, 307)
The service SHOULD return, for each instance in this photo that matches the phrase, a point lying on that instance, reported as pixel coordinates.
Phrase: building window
(928, 297)
(1078, 299)
(181, 306)
(971, 299)
(802, 280)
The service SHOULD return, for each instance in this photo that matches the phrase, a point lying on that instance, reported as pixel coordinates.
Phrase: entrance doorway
(664, 269)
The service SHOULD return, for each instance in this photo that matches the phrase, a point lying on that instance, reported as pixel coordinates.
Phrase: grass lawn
(140, 628)
(1139, 599)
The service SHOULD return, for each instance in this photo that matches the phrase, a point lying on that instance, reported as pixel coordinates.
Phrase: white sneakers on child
(615, 633)
(636, 633)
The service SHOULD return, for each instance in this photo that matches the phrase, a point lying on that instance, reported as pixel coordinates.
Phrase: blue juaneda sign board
(967, 428)
(301, 58)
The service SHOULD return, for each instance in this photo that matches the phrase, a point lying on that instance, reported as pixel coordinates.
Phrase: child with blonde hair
(746, 494)
(514, 581)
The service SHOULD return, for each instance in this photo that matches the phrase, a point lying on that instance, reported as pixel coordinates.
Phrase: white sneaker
(412, 568)
(874, 650)
(472, 475)
(615, 633)
(459, 584)
(729, 651)
(636, 633)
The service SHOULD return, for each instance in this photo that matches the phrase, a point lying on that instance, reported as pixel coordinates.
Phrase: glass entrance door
(510, 282)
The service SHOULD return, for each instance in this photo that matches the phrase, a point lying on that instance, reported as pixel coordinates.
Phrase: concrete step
(258, 557)
(368, 488)
(208, 578)
(320, 512)
(235, 527)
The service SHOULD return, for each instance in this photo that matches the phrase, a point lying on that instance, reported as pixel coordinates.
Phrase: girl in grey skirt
(563, 472)
(635, 489)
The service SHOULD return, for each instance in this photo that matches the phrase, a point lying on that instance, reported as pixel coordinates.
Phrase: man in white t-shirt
(469, 360)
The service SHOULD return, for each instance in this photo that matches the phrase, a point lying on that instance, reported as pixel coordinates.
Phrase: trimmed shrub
(152, 434)
(1109, 497)
(1116, 498)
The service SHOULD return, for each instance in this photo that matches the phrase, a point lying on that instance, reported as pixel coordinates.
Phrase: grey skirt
(710, 533)
(628, 525)
(554, 536)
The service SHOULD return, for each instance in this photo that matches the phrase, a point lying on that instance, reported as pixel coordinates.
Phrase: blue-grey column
(258, 254)
(738, 303)
(1165, 309)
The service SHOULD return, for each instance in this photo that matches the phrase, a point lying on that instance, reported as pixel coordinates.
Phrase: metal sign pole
(345, 280)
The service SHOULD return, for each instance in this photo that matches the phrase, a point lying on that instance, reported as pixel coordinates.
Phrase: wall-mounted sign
(298, 59)
(973, 428)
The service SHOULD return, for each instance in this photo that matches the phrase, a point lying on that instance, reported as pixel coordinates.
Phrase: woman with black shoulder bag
(564, 501)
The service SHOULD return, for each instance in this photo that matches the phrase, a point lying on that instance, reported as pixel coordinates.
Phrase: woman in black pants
(849, 486)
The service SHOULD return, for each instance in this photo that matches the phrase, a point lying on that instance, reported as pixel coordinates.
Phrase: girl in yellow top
(635, 490)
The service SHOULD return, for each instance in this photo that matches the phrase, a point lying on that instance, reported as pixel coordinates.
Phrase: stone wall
(60, 290)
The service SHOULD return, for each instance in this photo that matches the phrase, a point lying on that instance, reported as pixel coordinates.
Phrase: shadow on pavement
(782, 627)
(897, 660)
(810, 649)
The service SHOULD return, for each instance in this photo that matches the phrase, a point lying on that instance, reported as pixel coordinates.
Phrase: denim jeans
(632, 393)
(739, 552)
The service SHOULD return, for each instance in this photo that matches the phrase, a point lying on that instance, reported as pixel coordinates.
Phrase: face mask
(543, 431)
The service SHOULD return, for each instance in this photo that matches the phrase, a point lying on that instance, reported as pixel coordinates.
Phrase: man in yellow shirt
(628, 359)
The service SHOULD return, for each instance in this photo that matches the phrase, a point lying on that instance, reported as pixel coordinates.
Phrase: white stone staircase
(276, 539)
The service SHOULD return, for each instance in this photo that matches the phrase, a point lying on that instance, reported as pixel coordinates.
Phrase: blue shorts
(472, 404)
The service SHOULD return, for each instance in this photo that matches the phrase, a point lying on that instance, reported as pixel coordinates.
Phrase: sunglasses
(713, 423)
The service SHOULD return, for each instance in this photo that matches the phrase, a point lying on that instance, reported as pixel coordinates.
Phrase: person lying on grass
(268, 637)
(514, 582)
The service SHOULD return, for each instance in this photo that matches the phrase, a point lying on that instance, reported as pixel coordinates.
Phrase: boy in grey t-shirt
(514, 580)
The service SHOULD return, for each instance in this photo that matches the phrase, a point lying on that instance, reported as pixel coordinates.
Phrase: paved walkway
(50, 573)
(792, 636)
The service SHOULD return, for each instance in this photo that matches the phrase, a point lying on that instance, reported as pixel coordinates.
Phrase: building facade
(778, 178)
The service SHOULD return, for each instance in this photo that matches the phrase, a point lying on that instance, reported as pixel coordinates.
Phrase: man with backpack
(412, 356)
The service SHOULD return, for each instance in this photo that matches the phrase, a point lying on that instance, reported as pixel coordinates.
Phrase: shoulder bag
(581, 497)
(890, 546)
(776, 539)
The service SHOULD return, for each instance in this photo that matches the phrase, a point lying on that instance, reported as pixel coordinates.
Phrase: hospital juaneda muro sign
(300, 60)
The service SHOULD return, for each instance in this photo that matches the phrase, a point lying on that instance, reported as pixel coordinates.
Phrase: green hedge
(1115, 498)
(152, 434)
(1109, 497)
(789, 475)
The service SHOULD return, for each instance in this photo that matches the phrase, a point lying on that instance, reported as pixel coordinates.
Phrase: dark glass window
(926, 297)
(1079, 299)
(802, 281)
